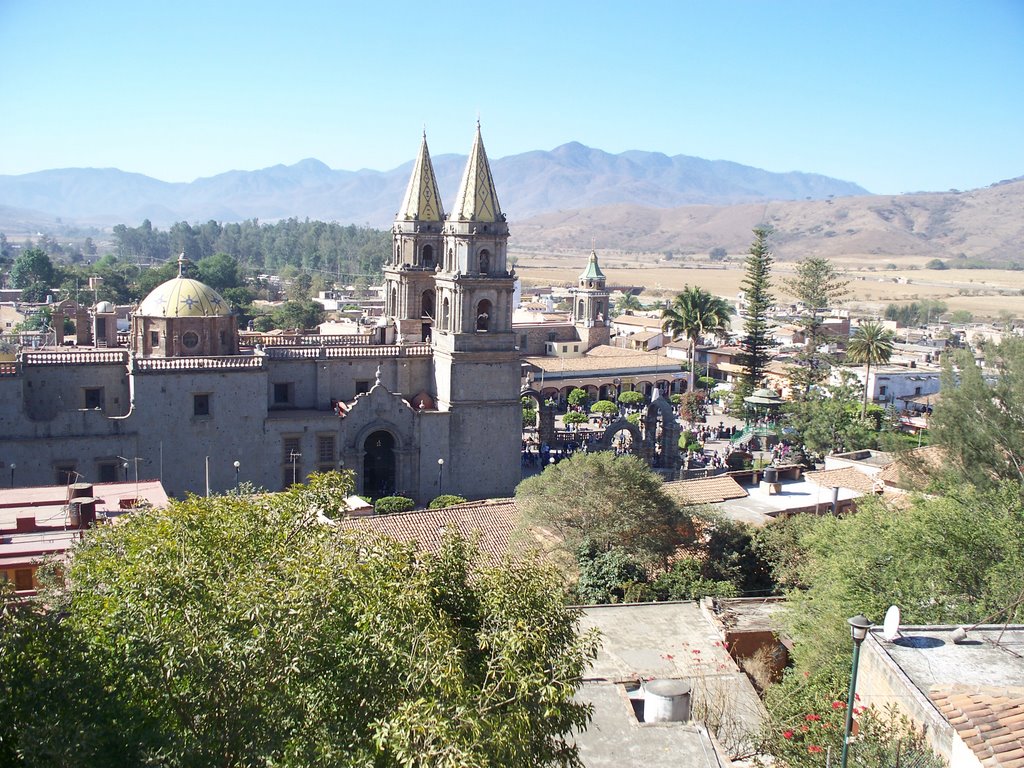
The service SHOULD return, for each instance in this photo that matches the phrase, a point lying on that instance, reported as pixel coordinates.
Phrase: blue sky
(897, 96)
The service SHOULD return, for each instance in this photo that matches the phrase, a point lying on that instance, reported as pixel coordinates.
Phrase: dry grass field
(983, 292)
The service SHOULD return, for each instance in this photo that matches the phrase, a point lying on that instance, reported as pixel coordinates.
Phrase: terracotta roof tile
(709, 490)
(492, 520)
(989, 720)
(847, 477)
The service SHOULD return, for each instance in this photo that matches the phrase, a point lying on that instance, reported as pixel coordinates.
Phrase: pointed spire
(593, 270)
(421, 202)
(477, 199)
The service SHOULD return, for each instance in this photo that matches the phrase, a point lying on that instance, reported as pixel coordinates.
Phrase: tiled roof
(846, 477)
(911, 469)
(990, 721)
(492, 521)
(607, 358)
(708, 490)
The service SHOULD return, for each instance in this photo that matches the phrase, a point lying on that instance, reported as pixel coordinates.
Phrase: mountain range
(569, 177)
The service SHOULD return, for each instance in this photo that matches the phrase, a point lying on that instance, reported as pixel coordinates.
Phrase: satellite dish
(891, 625)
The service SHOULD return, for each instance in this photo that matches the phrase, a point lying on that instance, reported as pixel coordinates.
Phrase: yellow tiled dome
(183, 297)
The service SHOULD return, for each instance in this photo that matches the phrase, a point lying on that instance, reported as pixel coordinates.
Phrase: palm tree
(871, 343)
(693, 313)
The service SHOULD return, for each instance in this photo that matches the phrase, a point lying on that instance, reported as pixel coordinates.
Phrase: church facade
(428, 403)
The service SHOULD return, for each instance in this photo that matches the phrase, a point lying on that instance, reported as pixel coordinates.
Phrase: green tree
(817, 286)
(609, 576)
(956, 559)
(628, 302)
(977, 421)
(827, 419)
(577, 397)
(693, 314)
(575, 417)
(240, 631)
(871, 343)
(631, 399)
(34, 273)
(297, 315)
(220, 272)
(600, 500)
(604, 408)
(756, 341)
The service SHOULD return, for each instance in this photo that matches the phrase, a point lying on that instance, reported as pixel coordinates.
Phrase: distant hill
(569, 177)
(985, 225)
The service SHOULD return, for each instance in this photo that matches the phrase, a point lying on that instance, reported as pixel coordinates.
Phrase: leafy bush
(529, 417)
(389, 505)
(609, 576)
(683, 581)
(575, 417)
(604, 407)
(631, 399)
(446, 500)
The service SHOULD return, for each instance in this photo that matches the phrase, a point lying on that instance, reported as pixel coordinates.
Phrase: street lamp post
(238, 466)
(859, 627)
(440, 476)
(13, 467)
(125, 465)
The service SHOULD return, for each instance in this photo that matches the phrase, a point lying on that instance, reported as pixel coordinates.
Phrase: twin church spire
(476, 201)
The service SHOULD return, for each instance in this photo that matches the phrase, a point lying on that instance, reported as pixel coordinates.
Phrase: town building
(434, 384)
(39, 523)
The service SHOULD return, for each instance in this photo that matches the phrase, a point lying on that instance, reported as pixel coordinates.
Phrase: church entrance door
(379, 464)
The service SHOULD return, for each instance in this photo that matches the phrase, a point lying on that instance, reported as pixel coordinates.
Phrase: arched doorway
(379, 464)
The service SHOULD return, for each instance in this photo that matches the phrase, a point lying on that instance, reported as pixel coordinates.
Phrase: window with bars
(325, 452)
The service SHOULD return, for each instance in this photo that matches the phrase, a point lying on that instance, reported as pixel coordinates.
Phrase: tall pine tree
(817, 286)
(756, 342)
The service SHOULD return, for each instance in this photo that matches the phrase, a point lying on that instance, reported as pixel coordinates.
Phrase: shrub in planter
(389, 505)
(446, 500)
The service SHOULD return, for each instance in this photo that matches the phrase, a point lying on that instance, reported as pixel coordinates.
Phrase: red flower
(804, 728)
(812, 718)
(856, 697)
(815, 748)
(787, 734)
(837, 705)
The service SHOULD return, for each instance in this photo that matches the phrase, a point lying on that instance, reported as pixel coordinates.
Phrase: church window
(94, 398)
(485, 261)
(362, 387)
(483, 315)
(445, 315)
(284, 393)
(325, 447)
(579, 311)
(393, 308)
(190, 339)
(428, 255)
(201, 405)
(451, 259)
(292, 466)
(154, 338)
(575, 347)
(427, 304)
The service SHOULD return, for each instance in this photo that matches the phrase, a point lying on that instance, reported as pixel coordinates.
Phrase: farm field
(983, 292)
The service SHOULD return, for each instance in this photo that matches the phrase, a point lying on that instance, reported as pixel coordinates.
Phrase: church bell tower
(590, 305)
(409, 296)
(476, 367)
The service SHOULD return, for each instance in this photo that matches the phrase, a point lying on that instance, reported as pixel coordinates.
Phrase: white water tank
(666, 701)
